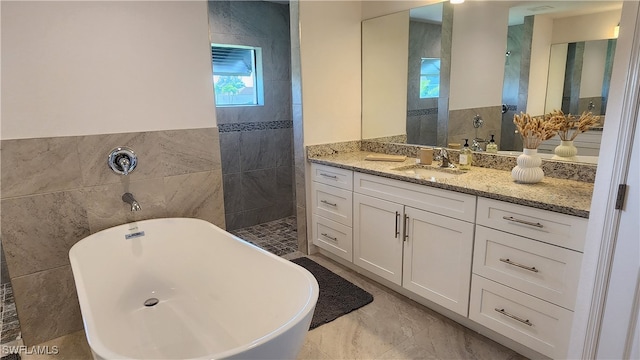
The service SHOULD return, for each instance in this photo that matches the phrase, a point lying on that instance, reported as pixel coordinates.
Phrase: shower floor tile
(279, 236)
(9, 324)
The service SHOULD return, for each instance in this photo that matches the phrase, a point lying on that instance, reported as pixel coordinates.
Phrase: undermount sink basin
(429, 172)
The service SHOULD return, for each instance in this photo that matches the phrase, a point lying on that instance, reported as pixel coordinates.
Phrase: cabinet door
(377, 236)
(437, 258)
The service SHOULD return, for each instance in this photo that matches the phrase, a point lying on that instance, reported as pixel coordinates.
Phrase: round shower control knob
(122, 160)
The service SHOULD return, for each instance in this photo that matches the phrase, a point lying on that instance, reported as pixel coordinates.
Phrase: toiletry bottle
(465, 156)
(492, 147)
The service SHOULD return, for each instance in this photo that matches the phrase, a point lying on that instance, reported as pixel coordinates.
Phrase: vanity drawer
(542, 270)
(332, 176)
(550, 227)
(333, 237)
(333, 203)
(535, 323)
(448, 203)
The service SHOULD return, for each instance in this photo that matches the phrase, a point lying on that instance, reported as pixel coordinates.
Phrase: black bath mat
(337, 296)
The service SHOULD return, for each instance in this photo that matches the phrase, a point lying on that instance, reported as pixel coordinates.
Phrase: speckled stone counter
(559, 195)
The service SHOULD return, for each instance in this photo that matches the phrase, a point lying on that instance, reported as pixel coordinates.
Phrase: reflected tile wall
(461, 124)
(46, 209)
(257, 141)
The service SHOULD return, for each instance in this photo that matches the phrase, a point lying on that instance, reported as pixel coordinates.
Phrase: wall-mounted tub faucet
(129, 199)
(122, 160)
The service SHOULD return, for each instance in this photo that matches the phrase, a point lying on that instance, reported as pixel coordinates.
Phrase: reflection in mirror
(406, 59)
(399, 77)
(579, 76)
(428, 75)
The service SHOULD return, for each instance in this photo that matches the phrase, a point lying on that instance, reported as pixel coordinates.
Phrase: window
(237, 75)
(430, 78)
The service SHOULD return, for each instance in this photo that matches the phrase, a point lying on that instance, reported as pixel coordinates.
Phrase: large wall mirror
(429, 71)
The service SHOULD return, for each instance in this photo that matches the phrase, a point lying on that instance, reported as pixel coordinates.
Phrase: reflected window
(430, 78)
(237, 75)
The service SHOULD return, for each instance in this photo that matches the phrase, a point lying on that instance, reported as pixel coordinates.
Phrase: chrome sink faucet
(476, 144)
(129, 199)
(443, 156)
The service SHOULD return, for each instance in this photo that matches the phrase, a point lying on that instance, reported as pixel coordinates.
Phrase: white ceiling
(519, 9)
(558, 9)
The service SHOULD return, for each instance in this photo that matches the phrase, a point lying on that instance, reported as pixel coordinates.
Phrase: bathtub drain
(151, 302)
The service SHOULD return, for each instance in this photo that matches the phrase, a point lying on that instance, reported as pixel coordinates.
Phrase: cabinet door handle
(334, 177)
(329, 237)
(406, 227)
(530, 268)
(329, 203)
(397, 224)
(511, 218)
(526, 322)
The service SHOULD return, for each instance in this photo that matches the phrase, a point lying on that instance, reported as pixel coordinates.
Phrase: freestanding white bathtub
(216, 296)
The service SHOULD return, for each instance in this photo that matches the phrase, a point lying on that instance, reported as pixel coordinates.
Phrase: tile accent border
(66, 192)
(253, 126)
(555, 169)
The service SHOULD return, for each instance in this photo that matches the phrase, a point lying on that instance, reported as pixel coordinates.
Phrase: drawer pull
(530, 268)
(334, 177)
(406, 227)
(329, 203)
(511, 218)
(397, 224)
(526, 322)
(329, 237)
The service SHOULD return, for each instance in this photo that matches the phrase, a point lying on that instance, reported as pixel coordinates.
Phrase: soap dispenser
(492, 147)
(465, 156)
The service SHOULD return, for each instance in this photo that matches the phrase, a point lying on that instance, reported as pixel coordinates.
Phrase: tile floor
(9, 324)
(278, 236)
(391, 327)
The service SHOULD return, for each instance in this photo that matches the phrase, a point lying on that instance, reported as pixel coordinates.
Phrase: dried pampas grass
(535, 130)
(572, 126)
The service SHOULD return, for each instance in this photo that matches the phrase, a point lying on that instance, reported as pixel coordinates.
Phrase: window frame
(257, 75)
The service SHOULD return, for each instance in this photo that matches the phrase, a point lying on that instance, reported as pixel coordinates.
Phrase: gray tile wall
(422, 114)
(461, 124)
(257, 141)
(56, 191)
(299, 156)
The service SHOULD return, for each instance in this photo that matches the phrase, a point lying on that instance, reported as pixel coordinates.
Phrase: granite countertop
(559, 195)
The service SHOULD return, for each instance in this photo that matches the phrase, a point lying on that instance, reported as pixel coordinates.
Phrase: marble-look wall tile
(283, 146)
(189, 151)
(106, 209)
(232, 184)
(34, 166)
(39, 230)
(47, 305)
(230, 152)
(284, 184)
(94, 149)
(590, 104)
(258, 188)
(197, 195)
(257, 150)
(234, 221)
(70, 347)
(301, 228)
(461, 124)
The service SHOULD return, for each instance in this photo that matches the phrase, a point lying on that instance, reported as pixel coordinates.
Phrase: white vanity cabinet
(332, 210)
(526, 267)
(415, 236)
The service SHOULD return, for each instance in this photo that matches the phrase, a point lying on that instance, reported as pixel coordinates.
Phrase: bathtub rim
(99, 348)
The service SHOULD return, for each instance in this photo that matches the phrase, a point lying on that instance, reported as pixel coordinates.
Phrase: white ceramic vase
(565, 151)
(528, 170)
